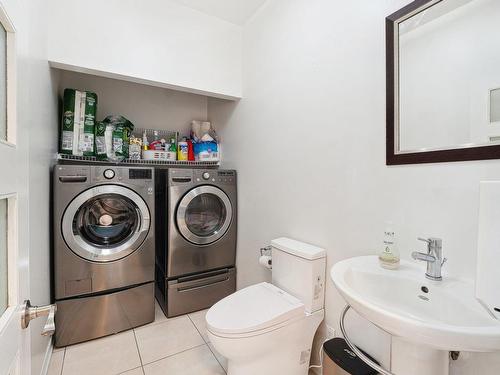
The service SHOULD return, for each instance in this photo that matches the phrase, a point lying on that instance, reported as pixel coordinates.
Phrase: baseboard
(46, 359)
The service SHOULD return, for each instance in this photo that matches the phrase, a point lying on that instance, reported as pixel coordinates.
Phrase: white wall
(158, 41)
(37, 140)
(146, 106)
(308, 141)
(448, 66)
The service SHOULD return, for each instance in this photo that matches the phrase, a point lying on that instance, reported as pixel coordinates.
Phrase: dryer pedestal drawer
(87, 318)
(198, 292)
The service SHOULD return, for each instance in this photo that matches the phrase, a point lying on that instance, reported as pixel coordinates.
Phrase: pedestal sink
(426, 318)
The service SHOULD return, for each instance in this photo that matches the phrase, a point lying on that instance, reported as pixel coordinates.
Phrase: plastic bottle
(190, 150)
(173, 146)
(389, 256)
(145, 143)
(156, 143)
(182, 150)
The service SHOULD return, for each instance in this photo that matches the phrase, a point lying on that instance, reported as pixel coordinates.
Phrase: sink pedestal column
(415, 359)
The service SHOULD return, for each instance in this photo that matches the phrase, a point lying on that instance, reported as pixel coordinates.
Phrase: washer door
(204, 215)
(105, 223)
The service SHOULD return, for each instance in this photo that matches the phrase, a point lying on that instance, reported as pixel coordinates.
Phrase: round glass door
(105, 223)
(204, 215)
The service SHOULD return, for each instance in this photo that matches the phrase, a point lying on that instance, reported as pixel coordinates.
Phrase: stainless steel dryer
(196, 260)
(103, 250)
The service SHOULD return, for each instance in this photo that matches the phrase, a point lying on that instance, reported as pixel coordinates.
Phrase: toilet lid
(254, 308)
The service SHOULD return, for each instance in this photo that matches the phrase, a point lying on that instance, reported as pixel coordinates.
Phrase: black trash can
(339, 359)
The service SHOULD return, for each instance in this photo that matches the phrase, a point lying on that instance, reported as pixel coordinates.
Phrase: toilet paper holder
(265, 250)
(266, 259)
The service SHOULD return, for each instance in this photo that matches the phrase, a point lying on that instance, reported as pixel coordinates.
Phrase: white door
(14, 342)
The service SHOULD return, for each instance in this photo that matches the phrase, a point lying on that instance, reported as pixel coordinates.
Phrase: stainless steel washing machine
(196, 239)
(104, 254)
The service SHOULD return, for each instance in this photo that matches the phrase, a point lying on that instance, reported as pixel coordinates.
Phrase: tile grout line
(217, 359)
(135, 368)
(138, 350)
(155, 323)
(62, 365)
(207, 343)
(171, 355)
(197, 330)
(142, 364)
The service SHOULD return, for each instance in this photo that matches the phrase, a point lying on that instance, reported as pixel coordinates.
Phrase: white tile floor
(166, 346)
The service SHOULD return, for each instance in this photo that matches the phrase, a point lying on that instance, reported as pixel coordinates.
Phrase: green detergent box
(78, 123)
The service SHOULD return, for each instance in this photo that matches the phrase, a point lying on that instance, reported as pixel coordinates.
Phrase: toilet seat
(252, 311)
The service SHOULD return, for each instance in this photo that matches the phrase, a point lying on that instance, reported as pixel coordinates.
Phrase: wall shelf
(72, 159)
(143, 81)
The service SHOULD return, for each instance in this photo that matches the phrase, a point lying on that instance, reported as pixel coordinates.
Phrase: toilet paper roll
(266, 261)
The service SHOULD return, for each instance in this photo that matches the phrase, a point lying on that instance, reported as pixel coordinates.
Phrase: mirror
(443, 81)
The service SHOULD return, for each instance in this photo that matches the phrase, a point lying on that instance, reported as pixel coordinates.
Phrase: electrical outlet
(330, 332)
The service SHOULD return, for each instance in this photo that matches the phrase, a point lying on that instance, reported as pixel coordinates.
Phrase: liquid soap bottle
(389, 256)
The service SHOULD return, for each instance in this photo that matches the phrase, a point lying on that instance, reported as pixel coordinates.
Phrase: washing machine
(196, 238)
(104, 250)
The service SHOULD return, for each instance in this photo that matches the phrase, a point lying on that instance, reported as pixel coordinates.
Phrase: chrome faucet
(434, 258)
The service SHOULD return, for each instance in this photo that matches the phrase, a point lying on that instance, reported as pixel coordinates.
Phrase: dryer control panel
(218, 177)
(202, 176)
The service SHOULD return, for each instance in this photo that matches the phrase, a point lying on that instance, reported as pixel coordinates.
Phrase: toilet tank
(299, 269)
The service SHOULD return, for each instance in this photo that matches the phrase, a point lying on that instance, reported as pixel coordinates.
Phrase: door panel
(204, 215)
(4, 271)
(106, 223)
(14, 258)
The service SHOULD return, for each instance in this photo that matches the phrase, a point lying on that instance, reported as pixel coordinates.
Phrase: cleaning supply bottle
(173, 145)
(182, 150)
(190, 150)
(145, 143)
(156, 143)
(389, 256)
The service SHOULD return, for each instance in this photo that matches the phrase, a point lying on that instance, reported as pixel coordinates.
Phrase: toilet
(268, 329)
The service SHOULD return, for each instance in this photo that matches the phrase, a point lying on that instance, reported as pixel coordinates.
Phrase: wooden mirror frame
(392, 106)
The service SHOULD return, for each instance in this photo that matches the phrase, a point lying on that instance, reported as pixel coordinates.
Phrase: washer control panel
(139, 177)
(108, 174)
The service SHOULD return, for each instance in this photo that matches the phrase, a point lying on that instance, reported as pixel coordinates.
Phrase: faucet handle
(428, 240)
(433, 242)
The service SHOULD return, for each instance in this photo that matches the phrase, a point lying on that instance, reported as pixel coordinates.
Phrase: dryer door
(204, 215)
(105, 223)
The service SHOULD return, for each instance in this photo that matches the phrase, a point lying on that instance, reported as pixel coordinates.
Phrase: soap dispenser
(389, 256)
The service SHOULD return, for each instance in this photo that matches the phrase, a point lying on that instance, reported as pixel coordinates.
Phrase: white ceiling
(235, 11)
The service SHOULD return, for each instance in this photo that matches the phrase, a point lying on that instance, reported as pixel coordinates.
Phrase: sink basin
(444, 315)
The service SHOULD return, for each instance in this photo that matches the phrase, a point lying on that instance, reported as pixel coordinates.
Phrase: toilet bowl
(268, 329)
(263, 330)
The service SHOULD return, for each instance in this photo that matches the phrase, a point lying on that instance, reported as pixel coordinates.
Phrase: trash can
(339, 359)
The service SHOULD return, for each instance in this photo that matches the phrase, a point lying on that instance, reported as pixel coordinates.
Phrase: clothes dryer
(196, 238)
